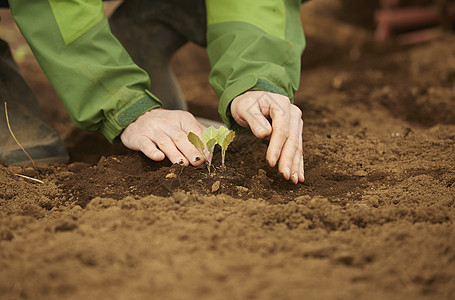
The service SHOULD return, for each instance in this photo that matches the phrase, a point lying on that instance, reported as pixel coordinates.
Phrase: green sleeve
(253, 45)
(100, 86)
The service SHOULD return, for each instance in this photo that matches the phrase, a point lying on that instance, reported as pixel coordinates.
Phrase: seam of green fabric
(66, 18)
(282, 59)
(96, 78)
(216, 14)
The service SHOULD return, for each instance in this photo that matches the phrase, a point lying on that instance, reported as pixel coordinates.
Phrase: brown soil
(373, 220)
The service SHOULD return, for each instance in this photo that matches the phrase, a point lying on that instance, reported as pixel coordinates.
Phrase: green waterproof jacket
(252, 45)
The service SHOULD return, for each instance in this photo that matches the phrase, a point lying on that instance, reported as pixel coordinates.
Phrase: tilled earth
(374, 218)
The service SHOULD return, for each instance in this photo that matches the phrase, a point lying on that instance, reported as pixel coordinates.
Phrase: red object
(389, 3)
(407, 17)
(391, 19)
(419, 36)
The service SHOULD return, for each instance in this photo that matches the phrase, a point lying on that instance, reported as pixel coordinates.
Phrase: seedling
(225, 137)
(196, 141)
(210, 138)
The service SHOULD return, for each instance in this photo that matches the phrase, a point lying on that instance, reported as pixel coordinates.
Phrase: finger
(257, 122)
(146, 146)
(286, 162)
(247, 113)
(281, 119)
(292, 149)
(167, 146)
(143, 144)
(188, 123)
(296, 172)
(295, 168)
(187, 149)
(299, 156)
(302, 169)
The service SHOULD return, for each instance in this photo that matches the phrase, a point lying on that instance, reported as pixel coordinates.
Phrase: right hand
(161, 133)
(269, 114)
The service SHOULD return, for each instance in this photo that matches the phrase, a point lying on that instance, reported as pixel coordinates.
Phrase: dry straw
(17, 142)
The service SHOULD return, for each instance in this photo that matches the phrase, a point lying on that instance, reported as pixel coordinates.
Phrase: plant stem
(14, 137)
(206, 159)
(30, 178)
(210, 163)
(223, 154)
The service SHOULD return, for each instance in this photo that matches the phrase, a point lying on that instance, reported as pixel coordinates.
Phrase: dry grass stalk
(30, 178)
(14, 137)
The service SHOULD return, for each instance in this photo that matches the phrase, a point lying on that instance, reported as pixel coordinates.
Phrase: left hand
(161, 133)
(254, 109)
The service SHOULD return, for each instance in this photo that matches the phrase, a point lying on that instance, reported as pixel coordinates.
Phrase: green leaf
(196, 141)
(209, 133)
(211, 145)
(222, 133)
(228, 139)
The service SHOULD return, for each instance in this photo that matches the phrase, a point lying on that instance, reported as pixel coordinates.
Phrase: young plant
(210, 138)
(196, 141)
(225, 137)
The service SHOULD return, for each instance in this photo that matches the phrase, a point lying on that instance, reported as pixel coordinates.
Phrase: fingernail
(295, 178)
(287, 172)
(155, 155)
(273, 161)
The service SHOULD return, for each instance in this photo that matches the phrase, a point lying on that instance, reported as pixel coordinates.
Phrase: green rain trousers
(252, 45)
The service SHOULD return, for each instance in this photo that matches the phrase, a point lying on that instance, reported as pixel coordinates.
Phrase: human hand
(161, 133)
(254, 109)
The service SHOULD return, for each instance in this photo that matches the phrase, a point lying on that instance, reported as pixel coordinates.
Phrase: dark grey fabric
(186, 17)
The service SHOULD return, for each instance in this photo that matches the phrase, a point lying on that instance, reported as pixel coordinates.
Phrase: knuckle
(295, 143)
(296, 112)
(283, 133)
(283, 103)
(186, 116)
(131, 129)
(161, 142)
(125, 138)
(180, 137)
(146, 147)
(149, 122)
